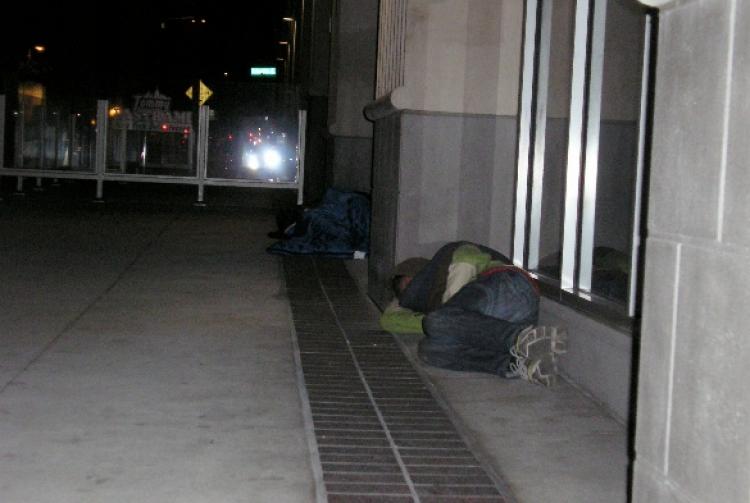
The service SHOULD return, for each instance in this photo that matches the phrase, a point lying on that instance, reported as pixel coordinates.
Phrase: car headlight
(271, 158)
(251, 161)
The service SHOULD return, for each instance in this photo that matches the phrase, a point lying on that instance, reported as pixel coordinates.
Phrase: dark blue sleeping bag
(337, 227)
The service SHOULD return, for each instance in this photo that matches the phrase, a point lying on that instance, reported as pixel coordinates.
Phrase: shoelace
(518, 368)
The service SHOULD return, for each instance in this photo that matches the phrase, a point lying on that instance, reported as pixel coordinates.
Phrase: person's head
(399, 282)
(404, 272)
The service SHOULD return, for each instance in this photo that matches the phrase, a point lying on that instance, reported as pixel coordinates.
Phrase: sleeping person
(478, 313)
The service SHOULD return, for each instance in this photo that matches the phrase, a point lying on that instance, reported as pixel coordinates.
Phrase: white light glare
(271, 158)
(251, 161)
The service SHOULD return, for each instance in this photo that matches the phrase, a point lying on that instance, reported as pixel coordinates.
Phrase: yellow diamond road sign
(203, 95)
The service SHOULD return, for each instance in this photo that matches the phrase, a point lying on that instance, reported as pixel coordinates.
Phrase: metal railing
(198, 154)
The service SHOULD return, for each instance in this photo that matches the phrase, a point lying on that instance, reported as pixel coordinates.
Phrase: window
(581, 146)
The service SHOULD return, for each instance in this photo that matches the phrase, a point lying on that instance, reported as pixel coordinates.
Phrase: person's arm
(468, 261)
(399, 320)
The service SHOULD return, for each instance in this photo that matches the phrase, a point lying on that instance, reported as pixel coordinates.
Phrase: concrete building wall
(352, 78)
(385, 206)
(599, 359)
(314, 46)
(456, 181)
(352, 86)
(463, 57)
(692, 437)
(439, 178)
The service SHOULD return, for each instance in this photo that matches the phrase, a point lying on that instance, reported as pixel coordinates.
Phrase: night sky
(130, 47)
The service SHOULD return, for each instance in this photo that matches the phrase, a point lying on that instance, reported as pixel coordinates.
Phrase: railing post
(2, 131)
(123, 148)
(18, 135)
(72, 123)
(301, 134)
(100, 157)
(202, 153)
(43, 137)
(192, 147)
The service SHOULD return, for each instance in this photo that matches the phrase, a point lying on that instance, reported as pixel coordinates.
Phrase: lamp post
(286, 63)
(289, 64)
(34, 58)
(293, 60)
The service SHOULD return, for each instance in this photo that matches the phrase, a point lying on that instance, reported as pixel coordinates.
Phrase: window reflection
(618, 149)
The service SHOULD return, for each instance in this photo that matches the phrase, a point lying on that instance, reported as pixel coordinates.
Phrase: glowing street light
(35, 49)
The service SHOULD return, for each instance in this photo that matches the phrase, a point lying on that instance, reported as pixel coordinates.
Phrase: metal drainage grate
(381, 435)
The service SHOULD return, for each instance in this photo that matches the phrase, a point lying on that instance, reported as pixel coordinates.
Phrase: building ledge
(663, 4)
(389, 104)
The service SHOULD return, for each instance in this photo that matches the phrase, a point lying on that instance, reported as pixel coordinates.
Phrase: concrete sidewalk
(145, 357)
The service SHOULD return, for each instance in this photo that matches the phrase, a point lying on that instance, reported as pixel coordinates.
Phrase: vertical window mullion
(591, 169)
(638, 202)
(540, 138)
(575, 147)
(524, 131)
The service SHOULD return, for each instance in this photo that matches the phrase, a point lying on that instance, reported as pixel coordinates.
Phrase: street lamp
(293, 23)
(38, 49)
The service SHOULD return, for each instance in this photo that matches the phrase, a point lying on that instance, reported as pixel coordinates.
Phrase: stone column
(693, 416)
(351, 87)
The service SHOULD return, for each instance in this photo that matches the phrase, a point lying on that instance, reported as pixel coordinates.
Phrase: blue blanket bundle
(338, 227)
